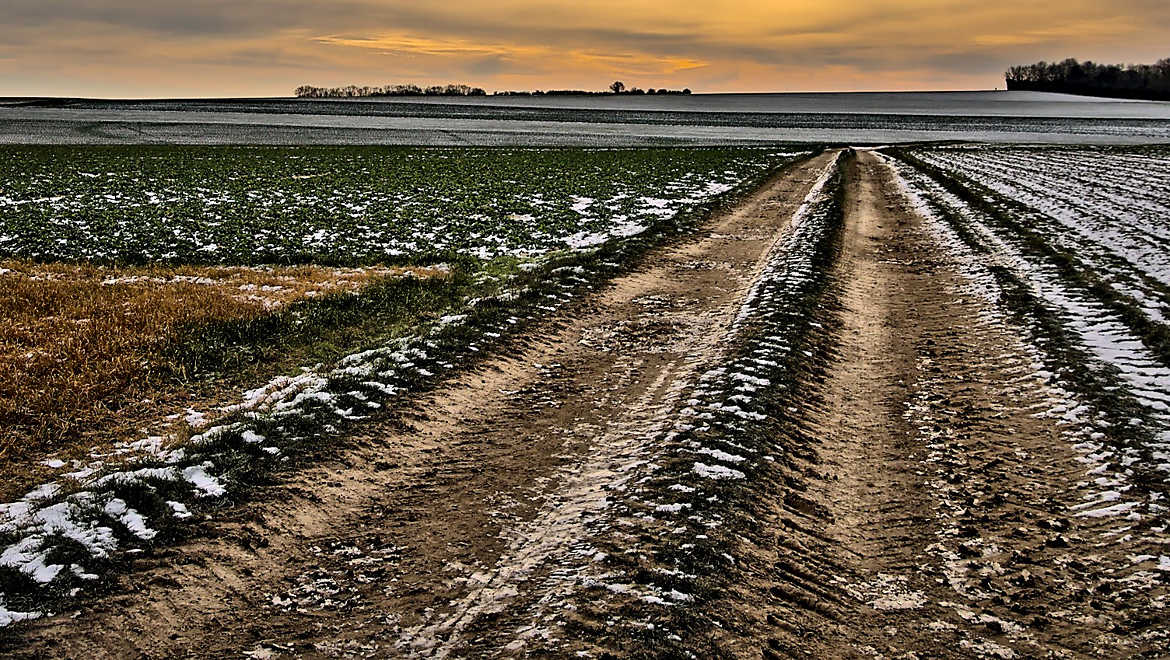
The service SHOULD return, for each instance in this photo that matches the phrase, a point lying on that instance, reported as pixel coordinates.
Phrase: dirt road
(931, 507)
(947, 498)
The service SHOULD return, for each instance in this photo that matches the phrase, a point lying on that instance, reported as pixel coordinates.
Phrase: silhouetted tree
(617, 87)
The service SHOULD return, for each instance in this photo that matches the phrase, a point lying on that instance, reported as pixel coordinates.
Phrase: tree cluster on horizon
(1141, 81)
(355, 91)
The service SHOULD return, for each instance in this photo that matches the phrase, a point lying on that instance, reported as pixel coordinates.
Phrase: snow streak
(677, 514)
(1107, 391)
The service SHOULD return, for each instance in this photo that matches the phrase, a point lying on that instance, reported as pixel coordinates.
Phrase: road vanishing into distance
(912, 490)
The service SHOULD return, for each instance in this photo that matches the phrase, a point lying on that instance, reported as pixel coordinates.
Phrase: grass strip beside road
(84, 362)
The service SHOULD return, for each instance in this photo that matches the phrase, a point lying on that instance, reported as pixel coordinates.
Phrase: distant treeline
(618, 87)
(354, 91)
(1133, 81)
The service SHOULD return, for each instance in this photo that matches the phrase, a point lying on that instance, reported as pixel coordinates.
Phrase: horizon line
(495, 93)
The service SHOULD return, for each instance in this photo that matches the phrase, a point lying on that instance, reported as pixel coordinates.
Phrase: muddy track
(429, 525)
(946, 511)
(925, 504)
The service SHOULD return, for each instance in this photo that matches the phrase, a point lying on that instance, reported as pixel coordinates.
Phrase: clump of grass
(84, 346)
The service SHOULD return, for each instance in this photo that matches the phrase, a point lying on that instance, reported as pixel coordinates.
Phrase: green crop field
(347, 205)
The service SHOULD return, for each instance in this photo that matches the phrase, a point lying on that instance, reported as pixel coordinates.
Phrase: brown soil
(937, 520)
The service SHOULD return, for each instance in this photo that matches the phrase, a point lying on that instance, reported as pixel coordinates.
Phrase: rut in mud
(799, 433)
(944, 495)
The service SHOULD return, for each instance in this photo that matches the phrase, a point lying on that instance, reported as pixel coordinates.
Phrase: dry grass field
(85, 354)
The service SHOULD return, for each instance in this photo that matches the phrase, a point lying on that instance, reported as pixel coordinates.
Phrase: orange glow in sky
(135, 48)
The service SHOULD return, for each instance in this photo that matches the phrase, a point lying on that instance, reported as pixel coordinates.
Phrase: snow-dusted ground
(662, 464)
(165, 475)
(1109, 207)
(1114, 451)
(673, 491)
(630, 120)
(373, 206)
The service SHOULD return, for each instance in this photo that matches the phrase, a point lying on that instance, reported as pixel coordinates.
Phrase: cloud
(270, 45)
(489, 66)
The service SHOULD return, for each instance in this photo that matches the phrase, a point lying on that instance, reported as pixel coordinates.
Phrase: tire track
(919, 491)
(953, 493)
(412, 542)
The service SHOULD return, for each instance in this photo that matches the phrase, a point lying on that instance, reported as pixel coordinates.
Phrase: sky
(188, 48)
